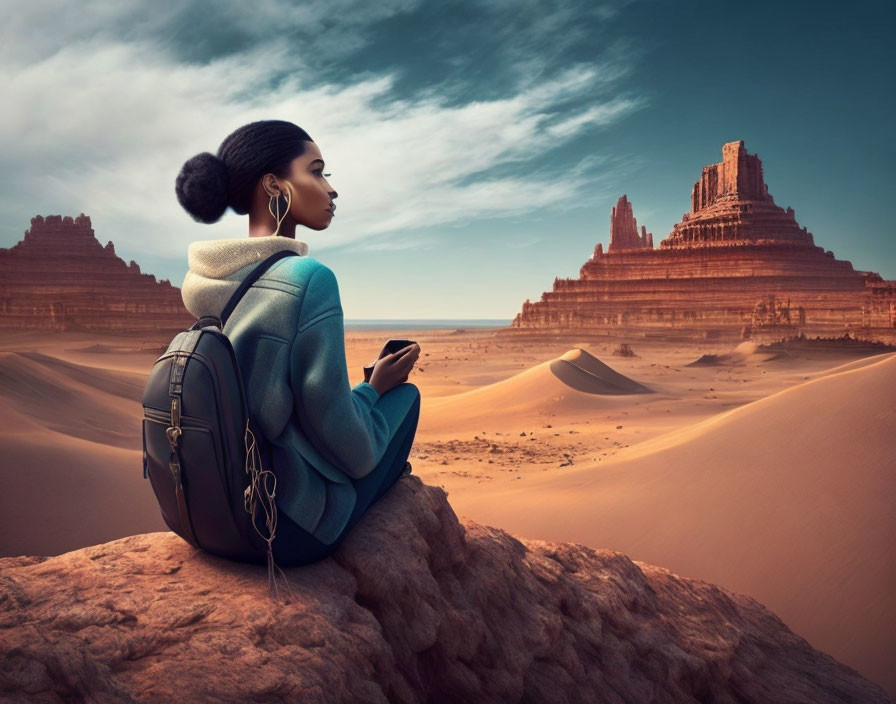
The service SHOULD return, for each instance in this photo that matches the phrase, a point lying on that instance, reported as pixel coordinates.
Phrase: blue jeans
(295, 546)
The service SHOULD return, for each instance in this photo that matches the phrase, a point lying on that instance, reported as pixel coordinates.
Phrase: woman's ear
(271, 186)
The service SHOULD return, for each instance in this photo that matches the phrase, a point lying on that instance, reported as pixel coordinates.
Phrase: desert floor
(770, 476)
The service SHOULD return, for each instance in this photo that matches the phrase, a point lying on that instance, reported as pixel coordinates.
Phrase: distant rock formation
(775, 318)
(624, 350)
(624, 229)
(735, 247)
(731, 203)
(413, 607)
(59, 277)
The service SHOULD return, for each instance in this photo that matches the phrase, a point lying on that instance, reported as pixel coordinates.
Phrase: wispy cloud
(525, 242)
(102, 126)
(195, 31)
(596, 115)
(406, 241)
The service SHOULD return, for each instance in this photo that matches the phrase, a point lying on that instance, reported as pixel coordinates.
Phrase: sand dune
(99, 405)
(574, 381)
(125, 384)
(61, 493)
(744, 353)
(72, 468)
(788, 499)
(584, 372)
(739, 355)
(854, 364)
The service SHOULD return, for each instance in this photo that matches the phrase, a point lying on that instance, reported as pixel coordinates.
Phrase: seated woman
(334, 450)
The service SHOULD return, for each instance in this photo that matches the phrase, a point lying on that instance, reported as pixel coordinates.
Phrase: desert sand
(772, 476)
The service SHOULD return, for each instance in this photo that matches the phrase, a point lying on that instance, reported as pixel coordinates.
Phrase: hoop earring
(276, 216)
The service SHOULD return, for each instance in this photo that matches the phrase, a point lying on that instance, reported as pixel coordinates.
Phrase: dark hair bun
(202, 187)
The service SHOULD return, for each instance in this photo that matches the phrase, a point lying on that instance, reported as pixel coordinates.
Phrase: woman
(334, 450)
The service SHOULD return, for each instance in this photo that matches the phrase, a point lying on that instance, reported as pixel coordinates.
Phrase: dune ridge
(99, 405)
(72, 473)
(789, 499)
(791, 397)
(574, 381)
(584, 372)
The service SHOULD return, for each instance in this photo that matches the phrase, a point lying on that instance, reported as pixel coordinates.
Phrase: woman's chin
(318, 225)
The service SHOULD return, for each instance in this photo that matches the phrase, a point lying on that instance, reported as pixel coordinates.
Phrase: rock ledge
(414, 607)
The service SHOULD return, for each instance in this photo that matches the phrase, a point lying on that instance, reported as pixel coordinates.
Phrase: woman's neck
(263, 225)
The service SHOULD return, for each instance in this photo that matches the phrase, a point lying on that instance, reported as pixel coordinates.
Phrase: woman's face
(311, 197)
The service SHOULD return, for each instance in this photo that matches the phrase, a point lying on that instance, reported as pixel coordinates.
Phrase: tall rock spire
(624, 229)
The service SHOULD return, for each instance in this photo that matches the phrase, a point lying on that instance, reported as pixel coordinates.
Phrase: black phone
(393, 346)
(390, 347)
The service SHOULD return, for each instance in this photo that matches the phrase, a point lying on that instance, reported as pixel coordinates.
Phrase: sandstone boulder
(415, 606)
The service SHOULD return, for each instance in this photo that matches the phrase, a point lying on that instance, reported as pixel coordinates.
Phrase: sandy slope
(789, 499)
(93, 404)
(785, 498)
(78, 493)
(70, 466)
(573, 382)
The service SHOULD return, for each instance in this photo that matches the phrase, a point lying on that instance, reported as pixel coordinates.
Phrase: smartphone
(393, 346)
(390, 347)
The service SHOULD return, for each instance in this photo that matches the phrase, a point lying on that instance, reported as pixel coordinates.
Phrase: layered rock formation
(414, 607)
(59, 277)
(733, 253)
(731, 203)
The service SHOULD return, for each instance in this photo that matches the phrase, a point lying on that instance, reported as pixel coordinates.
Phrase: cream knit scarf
(215, 267)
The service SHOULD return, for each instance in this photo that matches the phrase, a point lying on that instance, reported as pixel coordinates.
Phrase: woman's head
(266, 163)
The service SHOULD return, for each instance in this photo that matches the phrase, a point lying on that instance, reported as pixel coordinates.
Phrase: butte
(736, 266)
(61, 278)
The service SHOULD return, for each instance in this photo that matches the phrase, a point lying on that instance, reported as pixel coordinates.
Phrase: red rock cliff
(59, 277)
(735, 254)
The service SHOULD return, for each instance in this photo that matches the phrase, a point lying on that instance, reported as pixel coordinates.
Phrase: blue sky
(477, 147)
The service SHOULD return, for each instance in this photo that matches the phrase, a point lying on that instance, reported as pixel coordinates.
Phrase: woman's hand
(392, 369)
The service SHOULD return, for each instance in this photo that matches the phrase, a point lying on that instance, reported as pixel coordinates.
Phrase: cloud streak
(102, 126)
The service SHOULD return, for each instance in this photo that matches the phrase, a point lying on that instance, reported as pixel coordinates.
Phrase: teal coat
(288, 336)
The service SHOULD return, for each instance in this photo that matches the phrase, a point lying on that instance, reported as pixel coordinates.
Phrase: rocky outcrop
(735, 247)
(413, 607)
(777, 319)
(59, 277)
(731, 203)
(624, 229)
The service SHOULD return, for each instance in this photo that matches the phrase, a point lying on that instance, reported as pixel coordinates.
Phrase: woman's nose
(333, 194)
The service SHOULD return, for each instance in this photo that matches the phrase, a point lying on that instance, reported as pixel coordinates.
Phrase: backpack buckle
(173, 434)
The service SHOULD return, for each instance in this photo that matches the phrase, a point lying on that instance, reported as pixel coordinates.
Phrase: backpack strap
(251, 279)
(173, 432)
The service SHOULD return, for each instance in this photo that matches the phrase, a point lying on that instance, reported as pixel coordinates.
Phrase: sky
(477, 146)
